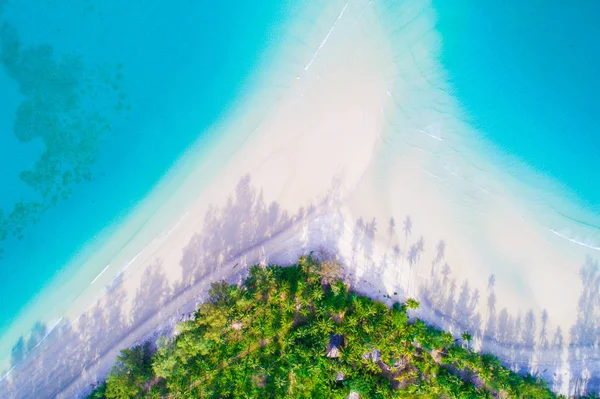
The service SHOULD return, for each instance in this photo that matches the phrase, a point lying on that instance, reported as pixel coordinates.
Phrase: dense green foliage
(272, 336)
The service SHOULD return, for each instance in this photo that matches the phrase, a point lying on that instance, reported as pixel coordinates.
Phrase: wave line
(98, 276)
(325, 40)
(574, 241)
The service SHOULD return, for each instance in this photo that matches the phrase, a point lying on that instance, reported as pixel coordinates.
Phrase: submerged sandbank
(352, 141)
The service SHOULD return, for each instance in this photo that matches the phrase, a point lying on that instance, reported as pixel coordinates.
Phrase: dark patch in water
(61, 108)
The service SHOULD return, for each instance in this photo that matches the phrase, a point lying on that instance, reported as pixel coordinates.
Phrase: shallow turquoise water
(105, 96)
(526, 73)
(146, 79)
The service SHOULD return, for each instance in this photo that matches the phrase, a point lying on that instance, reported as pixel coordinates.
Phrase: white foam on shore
(342, 119)
(583, 244)
(326, 38)
(100, 274)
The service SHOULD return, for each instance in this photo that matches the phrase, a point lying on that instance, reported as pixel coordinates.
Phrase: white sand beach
(348, 140)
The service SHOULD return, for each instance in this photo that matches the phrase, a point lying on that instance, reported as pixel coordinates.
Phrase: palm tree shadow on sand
(245, 230)
(65, 359)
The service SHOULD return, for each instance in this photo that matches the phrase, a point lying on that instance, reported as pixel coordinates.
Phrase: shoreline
(116, 246)
(325, 154)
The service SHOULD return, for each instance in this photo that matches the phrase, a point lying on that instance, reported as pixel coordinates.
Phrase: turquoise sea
(526, 75)
(98, 99)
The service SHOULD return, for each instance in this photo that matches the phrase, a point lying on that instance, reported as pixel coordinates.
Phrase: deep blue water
(113, 92)
(527, 75)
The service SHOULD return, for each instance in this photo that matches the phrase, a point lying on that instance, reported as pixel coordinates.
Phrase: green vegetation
(298, 332)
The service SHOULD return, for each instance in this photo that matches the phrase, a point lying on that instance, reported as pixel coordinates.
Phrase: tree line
(301, 332)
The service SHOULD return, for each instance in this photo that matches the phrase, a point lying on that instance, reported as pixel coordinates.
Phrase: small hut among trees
(353, 395)
(336, 342)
